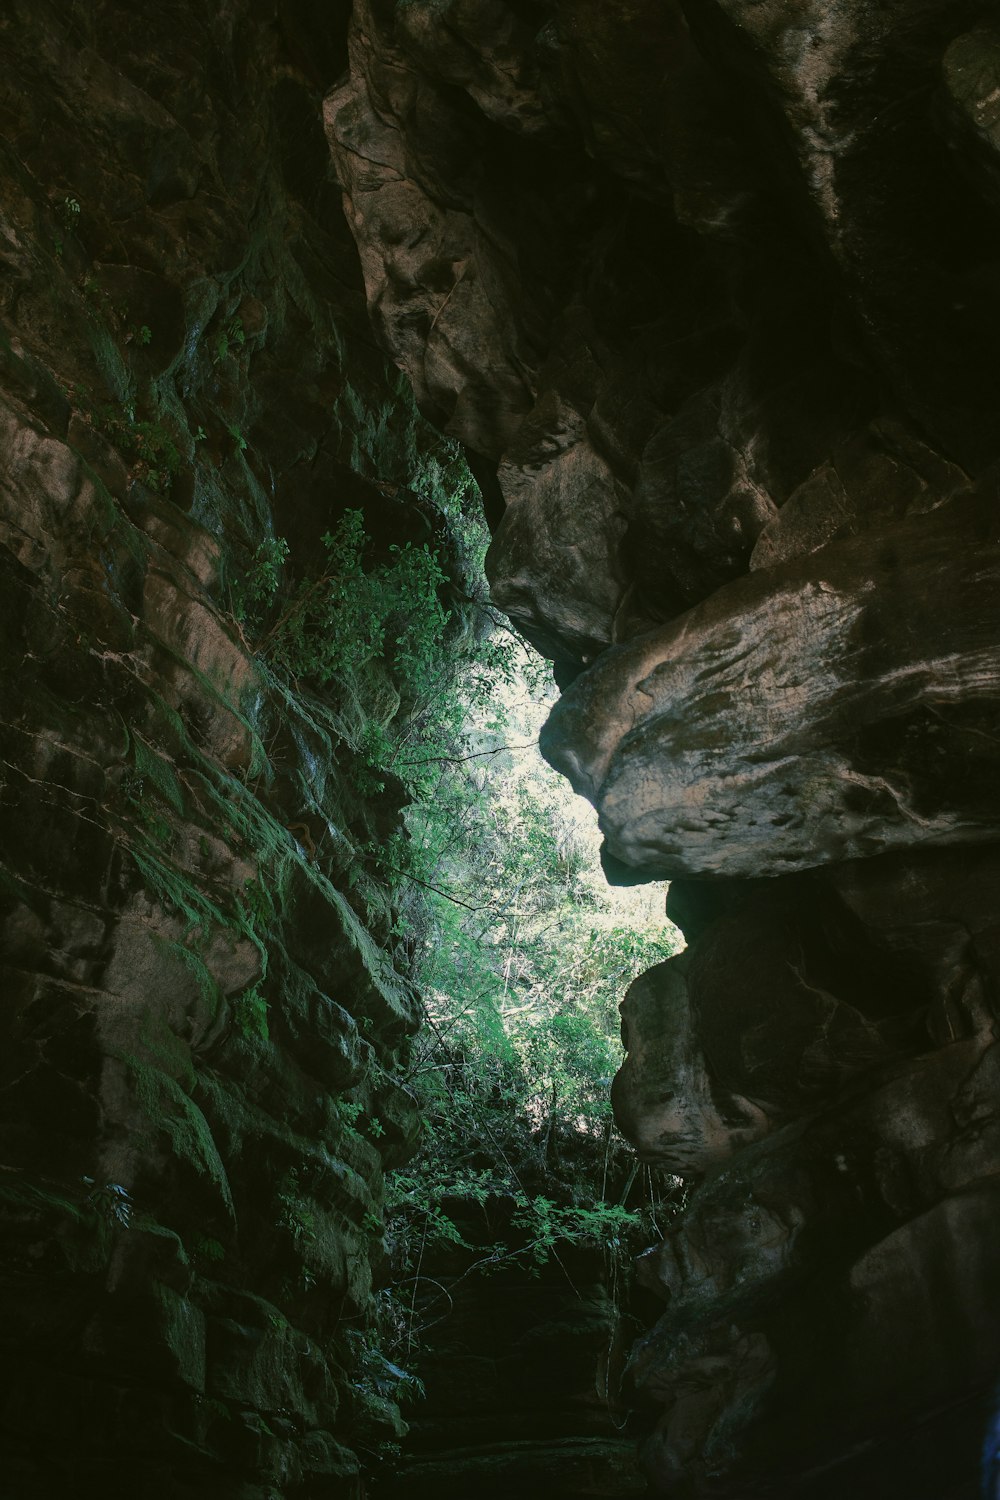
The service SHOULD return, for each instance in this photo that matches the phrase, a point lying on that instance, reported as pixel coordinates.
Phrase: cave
(697, 302)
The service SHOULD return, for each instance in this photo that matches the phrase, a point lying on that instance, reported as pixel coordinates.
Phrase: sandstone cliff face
(710, 291)
(203, 1000)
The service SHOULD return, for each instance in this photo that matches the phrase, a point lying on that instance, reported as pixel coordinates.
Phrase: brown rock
(828, 709)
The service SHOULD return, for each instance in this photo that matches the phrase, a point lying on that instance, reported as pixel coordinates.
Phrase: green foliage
(348, 1111)
(369, 634)
(114, 1202)
(295, 1214)
(523, 954)
(547, 1223)
(376, 1376)
(153, 445)
(206, 1250)
(380, 662)
(250, 1014)
(77, 1223)
(155, 771)
(521, 951)
(229, 340)
(156, 458)
(254, 590)
(345, 625)
(178, 891)
(173, 1112)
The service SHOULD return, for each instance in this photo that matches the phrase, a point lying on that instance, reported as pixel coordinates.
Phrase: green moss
(170, 1110)
(192, 785)
(25, 1197)
(228, 1106)
(176, 890)
(158, 771)
(77, 1225)
(207, 1250)
(161, 1042)
(182, 1331)
(111, 363)
(194, 963)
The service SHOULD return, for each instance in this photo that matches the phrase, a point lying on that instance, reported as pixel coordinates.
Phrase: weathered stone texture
(745, 440)
(710, 292)
(197, 960)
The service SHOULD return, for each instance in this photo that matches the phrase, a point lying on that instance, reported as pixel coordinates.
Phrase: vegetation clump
(387, 665)
(522, 954)
(518, 946)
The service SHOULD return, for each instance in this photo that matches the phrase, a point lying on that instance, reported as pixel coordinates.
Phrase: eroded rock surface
(203, 1001)
(710, 293)
(824, 709)
(741, 349)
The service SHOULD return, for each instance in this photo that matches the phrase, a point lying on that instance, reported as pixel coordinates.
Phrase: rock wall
(521, 1365)
(205, 998)
(710, 294)
(710, 291)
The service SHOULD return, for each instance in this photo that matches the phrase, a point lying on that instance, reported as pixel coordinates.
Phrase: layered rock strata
(204, 998)
(710, 292)
(522, 1369)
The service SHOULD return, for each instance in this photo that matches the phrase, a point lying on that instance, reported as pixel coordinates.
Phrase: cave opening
(310, 977)
(508, 1298)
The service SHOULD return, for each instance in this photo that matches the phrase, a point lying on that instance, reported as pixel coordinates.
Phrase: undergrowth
(377, 670)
